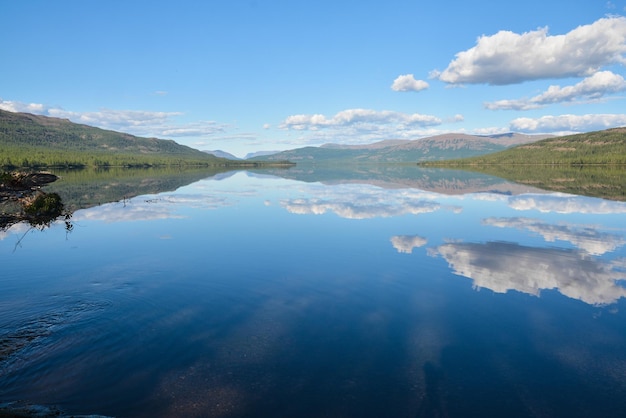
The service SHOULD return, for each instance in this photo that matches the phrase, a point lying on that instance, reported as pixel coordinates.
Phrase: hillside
(222, 154)
(592, 164)
(607, 147)
(436, 148)
(28, 140)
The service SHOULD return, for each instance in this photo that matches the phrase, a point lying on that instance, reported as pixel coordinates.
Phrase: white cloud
(595, 87)
(503, 266)
(490, 130)
(406, 243)
(586, 238)
(408, 82)
(568, 123)
(137, 122)
(197, 129)
(11, 106)
(358, 126)
(563, 203)
(365, 118)
(507, 57)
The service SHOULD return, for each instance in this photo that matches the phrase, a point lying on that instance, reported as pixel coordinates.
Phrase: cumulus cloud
(365, 118)
(359, 126)
(11, 106)
(586, 238)
(408, 82)
(595, 87)
(568, 123)
(501, 267)
(491, 130)
(564, 203)
(406, 243)
(137, 122)
(507, 57)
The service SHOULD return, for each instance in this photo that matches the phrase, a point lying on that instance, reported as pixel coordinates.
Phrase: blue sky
(251, 75)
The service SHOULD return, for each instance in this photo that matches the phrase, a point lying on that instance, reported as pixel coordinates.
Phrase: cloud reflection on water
(361, 202)
(16, 229)
(357, 210)
(585, 237)
(501, 266)
(406, 243)
(149, 207)
(564, 203)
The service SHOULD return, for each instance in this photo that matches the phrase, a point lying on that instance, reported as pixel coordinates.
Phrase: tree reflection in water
(22, 201)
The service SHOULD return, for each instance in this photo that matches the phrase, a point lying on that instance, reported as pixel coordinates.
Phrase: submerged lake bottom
(250, 294)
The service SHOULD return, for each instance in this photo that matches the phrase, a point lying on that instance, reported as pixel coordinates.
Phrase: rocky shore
(15, 185)
(22, 200)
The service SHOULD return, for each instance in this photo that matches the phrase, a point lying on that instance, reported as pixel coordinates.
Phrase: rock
(25, 181)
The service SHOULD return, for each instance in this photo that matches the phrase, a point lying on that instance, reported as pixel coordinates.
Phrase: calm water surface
(255, 295)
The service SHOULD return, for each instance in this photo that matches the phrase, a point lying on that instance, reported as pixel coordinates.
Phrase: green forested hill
(607, 147)
(592, 164)
(28, 140)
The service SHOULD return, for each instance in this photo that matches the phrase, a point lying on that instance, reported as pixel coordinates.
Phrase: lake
(392, 292)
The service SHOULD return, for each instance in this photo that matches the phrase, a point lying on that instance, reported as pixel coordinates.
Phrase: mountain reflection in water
(255, 294)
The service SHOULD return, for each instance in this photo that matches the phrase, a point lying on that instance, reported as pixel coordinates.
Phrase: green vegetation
(45, 204)
(607, 182)
(12, 157)
(591, 164)
(606, 147)
(31, 141)
(89, 187)
(22, 200)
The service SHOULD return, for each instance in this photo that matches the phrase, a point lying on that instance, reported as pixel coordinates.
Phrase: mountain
(436, 148)
(606, 147)
(34, 140)
(259, 154)
(376, 145)
(591, 164)
(222, 154)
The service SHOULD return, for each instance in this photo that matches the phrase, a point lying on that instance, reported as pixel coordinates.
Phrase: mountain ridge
(28, 140)
(28, 129)
(602, 147)
(435, 148)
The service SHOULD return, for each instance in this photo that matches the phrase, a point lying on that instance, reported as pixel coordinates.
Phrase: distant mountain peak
(259, 154)
(222, 154)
